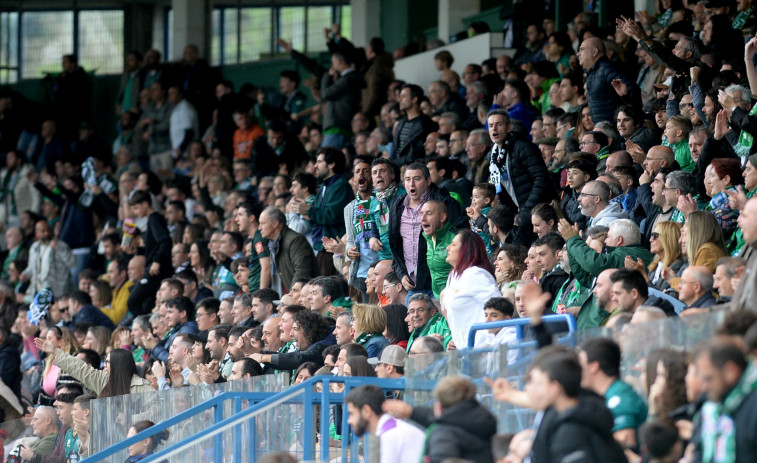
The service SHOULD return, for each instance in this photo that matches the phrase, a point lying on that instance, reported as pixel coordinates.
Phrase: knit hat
(753, 160)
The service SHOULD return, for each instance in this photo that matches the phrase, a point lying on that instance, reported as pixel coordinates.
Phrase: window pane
(256, 33)
(292, 26)
(346, 21)
(230, 45)
(215, 41)
(169, 36)
(101, 41)
(8, 47)
(47, 37)
(319, 18)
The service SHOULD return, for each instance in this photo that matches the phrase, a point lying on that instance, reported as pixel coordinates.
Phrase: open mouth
(361, 181)
(425, 226)
(411, 191)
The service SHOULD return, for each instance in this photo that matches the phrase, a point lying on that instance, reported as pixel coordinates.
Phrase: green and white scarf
(740, 19)
(718, 432)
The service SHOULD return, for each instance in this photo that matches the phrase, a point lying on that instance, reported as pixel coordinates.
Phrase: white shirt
(183, 117)
(464, 299)
(400, 441)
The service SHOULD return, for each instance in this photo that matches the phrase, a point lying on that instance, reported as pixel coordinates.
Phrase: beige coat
(94, 380)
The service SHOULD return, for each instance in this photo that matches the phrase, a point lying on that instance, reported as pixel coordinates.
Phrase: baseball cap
(393, 355)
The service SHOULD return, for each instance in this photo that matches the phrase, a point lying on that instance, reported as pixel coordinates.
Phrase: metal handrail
(262, 401)
(520, 323)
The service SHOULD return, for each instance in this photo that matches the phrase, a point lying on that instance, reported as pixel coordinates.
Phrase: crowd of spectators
(351, 220)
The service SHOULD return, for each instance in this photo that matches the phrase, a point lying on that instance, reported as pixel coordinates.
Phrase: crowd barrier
(242, 420)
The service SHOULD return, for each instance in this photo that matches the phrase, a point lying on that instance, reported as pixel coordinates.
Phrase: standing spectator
(50, 148)
(155, 124)
(17, 193)
(119, 281)
(184, 123)
(16, 249)
(340, 89)
(360, 226)
(470, 284)
(378, 75)
(292, 257)
(156, 239)
(303, 189)
(248, 217)
(438, 234)
(601, 78)
(49, 263)
(10, 364)
(443, 99)
(409, 251)
(73, 97)
(385, 184)
(518, 172)
(294, 100)
(334, 195)
(399, 440)
(247, 132)
(131, 84)
(413, 128)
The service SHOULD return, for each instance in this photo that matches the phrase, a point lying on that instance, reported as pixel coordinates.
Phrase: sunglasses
(654, 235)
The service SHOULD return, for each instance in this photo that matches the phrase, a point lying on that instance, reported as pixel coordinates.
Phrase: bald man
(659, 157)
(600, 72)
(595, 311)
(695, 288)
(45, 426)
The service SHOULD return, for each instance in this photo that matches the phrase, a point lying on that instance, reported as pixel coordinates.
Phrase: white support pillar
(191, 25)
(366, 21)
(451, 14)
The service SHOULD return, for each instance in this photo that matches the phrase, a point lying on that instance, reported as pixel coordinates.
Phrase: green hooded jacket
(435, 325)
(436, 257)
(587, 264)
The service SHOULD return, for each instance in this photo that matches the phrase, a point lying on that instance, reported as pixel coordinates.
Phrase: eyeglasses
(560, 126)
(584, 143)
(667, 188)
(654, 159)
(417, 311)
(453, 140)
(586, 194)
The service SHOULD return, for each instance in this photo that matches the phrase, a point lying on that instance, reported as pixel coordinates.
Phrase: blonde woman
(52, 377)
(664, 245)
(369, 325)
(703, 243)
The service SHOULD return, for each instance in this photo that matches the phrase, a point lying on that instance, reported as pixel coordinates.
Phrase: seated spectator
(312, 333)
(497, 309)
(580, 173)
(664, 246)
(727, 270)
(146, 447)
(369, 324)
(703, 244)
(422, 316)
(594, 203)
(695, 288)
(45, 426)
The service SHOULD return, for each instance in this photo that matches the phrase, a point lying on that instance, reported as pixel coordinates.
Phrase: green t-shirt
(625, 405)
(259, 251)
(71, 447)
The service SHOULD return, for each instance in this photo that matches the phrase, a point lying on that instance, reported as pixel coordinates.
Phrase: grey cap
(393, 355)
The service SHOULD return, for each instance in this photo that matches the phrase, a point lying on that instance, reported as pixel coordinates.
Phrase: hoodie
(464, 430)
(582, 434)
(608, 215)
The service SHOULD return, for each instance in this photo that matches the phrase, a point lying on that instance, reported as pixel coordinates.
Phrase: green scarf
(664, 18)
(362, 224)
(740, 19)
(384, 198)
(364, 338)
(746, 139)
(718, 433)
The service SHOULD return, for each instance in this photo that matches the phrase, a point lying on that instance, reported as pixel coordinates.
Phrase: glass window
(169, 36)
(215, 41)
(346, 21)
(319, 18)
(47, 36)
(8, 47)
(256, 33)
(101, 41)
(292, 26)
(230, 33)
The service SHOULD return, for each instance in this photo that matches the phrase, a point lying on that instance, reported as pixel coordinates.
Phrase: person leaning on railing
(119, 376)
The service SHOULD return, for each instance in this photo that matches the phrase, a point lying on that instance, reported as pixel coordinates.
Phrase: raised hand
(620, 87)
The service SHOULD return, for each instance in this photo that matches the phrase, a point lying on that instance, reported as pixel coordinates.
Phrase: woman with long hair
(52, 376)
(665, 382)
(544, 218)
(97, 339)
(720, 177)
(201, 262)
(304, 372)
(119, 376)
(470, 284)
(509, 264)
(369, 325)
(396, 327)
(145, 447)
(664, 245)
(585, 123)
(702, 241)
(358, 366)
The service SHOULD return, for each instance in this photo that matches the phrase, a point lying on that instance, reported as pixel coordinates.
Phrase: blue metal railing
(520, 323)
(302, 393)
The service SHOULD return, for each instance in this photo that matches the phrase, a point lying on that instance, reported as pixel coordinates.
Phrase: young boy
(498, 309)
(481, 204)
(676, 136)
(628, 178)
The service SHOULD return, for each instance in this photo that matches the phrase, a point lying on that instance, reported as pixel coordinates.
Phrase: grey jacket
(342, 97)
(609, 214)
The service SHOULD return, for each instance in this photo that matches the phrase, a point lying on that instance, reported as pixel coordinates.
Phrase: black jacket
(455, 216)
(570, 209)
(531, 181)
(10, 367)
(464, 431)
(582, 434)
(552, 283)
(412, 148)
(266, 162)
(453, 104)
(603, 100)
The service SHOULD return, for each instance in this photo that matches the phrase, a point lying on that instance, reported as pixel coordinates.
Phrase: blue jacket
(603, 100)
(161, 350)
